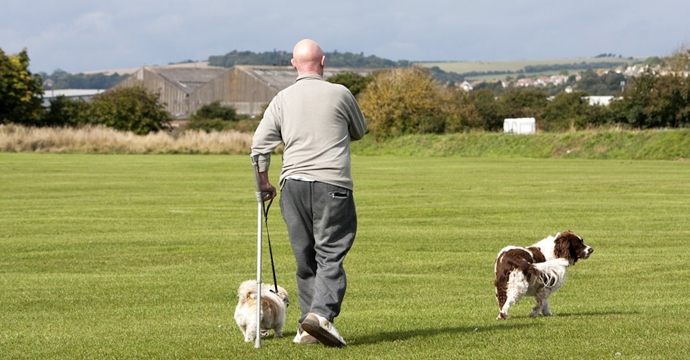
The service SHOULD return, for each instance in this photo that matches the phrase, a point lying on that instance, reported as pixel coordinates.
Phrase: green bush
(215, 110)
(64, 111)
(129, 109)
(353, 81)
(217, 117)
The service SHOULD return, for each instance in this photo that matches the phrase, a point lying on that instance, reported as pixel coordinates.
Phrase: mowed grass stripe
(140, 256)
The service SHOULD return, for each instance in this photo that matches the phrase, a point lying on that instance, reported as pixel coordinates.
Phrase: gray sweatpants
(321, 222)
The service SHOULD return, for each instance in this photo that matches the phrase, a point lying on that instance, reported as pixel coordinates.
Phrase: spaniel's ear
(562, 248)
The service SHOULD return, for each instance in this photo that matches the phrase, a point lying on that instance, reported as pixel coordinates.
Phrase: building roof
(248, 88)
(280, 77)
(71, 93)
(276, 77)
(86, 94)
(189, 78)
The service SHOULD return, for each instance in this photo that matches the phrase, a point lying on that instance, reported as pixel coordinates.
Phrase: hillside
(445, 72)
(494, 70)
(588, 144)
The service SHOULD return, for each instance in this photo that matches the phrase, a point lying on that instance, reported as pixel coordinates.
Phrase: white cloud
(81, 35)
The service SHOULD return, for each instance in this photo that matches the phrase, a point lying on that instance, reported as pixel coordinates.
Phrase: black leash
(270, 248)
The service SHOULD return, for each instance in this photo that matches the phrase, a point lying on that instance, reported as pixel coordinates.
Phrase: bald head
(307, 58)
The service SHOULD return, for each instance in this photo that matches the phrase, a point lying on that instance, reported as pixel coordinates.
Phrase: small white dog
(272, 309)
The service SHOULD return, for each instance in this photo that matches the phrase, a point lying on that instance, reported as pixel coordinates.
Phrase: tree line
(282, 58)
(61, 79)
(396, 101)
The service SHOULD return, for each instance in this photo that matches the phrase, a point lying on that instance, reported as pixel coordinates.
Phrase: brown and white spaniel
(538, 270)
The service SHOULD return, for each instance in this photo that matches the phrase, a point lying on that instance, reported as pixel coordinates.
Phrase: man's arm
(358, 125)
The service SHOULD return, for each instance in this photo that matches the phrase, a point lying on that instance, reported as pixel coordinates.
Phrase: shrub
(567, 111)
(129, 109)
(404, 101)
(217, 117)
(353, 81)
(64, 111)
(215, 110)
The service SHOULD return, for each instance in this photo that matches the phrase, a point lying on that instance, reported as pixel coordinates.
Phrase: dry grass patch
(101, 139)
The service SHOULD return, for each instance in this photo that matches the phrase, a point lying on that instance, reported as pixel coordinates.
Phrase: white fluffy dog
(273, 307)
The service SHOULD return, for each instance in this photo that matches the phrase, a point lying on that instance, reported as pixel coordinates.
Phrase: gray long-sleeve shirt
(316, 120)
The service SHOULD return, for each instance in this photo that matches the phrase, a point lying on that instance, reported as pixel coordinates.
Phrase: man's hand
(268, 191)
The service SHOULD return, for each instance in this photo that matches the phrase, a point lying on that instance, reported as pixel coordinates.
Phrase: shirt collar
(309, 76)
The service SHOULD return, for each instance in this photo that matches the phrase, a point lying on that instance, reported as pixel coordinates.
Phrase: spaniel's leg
(545, 310)
(502, 298)
(542, 305)
(514, 291)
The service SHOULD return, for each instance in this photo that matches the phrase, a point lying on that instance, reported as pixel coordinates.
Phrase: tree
(353, 81)
(567, 111)
(605, 84)
(129, 109)
(64, 80)
(20, 91)
(523, 102)
(491, 111)
(654, 100)
(64, 111)
(476, 109)
(463, 113)
(404, 101)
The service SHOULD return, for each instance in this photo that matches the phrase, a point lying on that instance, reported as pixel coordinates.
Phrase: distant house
(542, 81)
(558, 79)
(524, 82)
(247, 88)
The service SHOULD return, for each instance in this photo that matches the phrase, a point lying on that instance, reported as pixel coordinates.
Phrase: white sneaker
(303, 338)
(323, 330)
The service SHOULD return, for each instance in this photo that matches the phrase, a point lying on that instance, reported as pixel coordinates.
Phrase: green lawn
(140, 256)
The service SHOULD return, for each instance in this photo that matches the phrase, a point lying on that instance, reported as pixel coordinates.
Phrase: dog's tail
(247, 290)
(549, 273)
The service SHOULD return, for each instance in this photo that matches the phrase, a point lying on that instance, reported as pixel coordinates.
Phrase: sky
(87, 35)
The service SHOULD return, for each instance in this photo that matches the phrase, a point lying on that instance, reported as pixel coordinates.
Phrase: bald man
(315, 120)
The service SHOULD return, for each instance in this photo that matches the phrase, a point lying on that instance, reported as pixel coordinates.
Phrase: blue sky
(87, 35)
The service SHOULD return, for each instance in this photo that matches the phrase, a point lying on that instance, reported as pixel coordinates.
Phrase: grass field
(140, 256)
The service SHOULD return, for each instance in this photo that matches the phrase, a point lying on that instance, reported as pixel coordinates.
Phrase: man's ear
(323, 61)
(292, 61)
